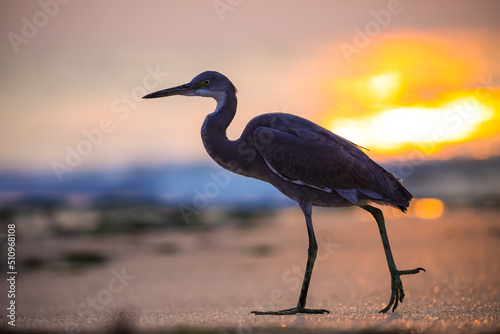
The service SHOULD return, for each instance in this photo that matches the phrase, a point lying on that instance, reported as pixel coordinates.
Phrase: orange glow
(415, 93)
(393, 128)
(384, 86)
(428, 208)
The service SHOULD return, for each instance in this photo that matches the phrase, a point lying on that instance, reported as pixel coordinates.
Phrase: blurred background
(84, 159)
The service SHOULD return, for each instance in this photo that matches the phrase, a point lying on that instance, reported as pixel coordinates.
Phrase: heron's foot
(397, 293)
(293, 310)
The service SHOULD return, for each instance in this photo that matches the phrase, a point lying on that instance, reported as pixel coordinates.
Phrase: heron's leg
(397, 292)
(311, 257)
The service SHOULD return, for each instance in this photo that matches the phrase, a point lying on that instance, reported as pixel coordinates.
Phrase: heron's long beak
(179, 90)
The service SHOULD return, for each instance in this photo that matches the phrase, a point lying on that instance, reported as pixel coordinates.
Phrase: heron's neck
(213, 131)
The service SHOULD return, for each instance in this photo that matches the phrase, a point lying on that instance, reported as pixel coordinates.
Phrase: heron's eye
(205, 82)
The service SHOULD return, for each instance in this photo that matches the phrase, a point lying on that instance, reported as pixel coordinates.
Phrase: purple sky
(81, 66)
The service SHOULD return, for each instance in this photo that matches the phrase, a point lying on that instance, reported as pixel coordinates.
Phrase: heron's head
(209, 83)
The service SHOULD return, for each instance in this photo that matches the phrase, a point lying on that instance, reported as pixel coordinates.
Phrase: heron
(305, 162)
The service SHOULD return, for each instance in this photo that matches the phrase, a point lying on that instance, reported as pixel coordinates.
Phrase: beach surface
(209, 280)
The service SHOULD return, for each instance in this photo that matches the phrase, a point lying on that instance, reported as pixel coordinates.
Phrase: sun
(409, 93)
(392, 129)
(384, 86)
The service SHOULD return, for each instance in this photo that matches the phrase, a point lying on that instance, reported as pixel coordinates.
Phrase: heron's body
(278, 148)
(304, 161)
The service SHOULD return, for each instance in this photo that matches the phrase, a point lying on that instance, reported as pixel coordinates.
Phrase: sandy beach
(210, 280)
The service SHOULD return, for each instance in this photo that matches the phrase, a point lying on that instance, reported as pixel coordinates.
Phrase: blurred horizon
(407, 80)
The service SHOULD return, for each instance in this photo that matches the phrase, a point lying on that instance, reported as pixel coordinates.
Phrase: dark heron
(304, 161)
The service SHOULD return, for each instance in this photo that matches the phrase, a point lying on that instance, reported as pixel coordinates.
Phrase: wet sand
(197, 281)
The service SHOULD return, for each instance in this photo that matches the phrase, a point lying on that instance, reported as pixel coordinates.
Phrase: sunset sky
(405, 79)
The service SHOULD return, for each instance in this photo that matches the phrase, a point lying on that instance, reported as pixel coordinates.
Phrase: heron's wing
(320, 159)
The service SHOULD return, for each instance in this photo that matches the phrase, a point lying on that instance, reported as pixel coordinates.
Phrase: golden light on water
(428, 208)
(412, 92)
(423, 208)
